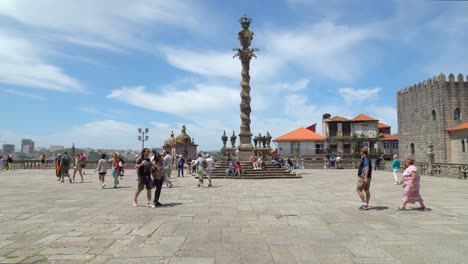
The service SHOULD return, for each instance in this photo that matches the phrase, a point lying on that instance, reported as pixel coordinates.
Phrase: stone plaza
(309, 220)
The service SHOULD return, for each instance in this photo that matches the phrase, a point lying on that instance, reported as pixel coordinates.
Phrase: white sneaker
(135, 204)
(151, 205)
(103, 185)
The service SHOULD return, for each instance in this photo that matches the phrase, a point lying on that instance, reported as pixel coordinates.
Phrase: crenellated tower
(426, 111)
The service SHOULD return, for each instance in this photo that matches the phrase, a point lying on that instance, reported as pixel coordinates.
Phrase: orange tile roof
(459, 127)
(385, 136)
(300, 134)
(363, 117)
(337, 119)
(382, 125)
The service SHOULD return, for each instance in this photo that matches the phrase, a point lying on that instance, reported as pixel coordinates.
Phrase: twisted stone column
(245, 55)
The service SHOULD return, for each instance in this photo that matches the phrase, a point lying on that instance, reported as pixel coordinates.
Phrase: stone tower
(426, 111)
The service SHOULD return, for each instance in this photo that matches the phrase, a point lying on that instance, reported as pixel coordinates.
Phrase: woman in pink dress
(410, 181)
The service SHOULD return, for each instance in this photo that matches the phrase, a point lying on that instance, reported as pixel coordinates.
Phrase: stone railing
(450, 170)
(36, 164)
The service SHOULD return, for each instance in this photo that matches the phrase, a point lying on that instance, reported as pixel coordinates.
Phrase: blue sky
(92, 72)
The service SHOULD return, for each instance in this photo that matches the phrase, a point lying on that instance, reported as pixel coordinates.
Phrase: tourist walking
(168, 164)
(9, 162)
(83, 162)
(64, 167)
(115, 162)
(157, 174)
(364, 180)
(378, 161)
(410, 182)
(78, 168)
(102, 170)
(396, 167)
(189, 165)
(332, 161)
(209, 168)
(57, 161)
(200, 163)
(143, 167)
(121, 167)
(43, 161)
(180, 166)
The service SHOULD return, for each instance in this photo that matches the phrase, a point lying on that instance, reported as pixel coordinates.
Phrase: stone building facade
(426, 113)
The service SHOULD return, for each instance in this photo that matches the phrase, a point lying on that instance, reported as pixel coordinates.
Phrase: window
(333, 128)
(394, 144)
(412, 149)
(434, 115)
(456, 114)
(463, 145)
(346, 129)
(386, 145)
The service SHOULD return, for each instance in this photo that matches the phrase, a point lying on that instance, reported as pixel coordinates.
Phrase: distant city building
(27, 146)
(8, 149)
(56, 147)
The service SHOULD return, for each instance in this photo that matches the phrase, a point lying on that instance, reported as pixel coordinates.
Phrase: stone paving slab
(310, 220)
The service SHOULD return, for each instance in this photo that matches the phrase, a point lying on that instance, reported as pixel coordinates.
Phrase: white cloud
(290, 87)
(324, 48)
(205, 63)
(23, 94)
(202, 100)
(84, 22)
(23, 63)
(351, 95)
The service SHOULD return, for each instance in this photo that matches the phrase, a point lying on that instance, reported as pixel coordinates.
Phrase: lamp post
(143, 138)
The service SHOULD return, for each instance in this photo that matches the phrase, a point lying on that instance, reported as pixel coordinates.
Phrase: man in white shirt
(168, 164)
(209, 168)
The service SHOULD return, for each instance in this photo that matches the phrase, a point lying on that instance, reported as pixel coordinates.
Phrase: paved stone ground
(310, 220)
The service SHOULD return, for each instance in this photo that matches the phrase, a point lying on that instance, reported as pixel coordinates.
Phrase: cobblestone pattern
(311, 220)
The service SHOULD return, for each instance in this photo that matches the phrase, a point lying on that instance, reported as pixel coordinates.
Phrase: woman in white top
(102, 170)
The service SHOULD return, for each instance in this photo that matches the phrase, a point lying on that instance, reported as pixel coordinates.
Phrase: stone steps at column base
(257, 176)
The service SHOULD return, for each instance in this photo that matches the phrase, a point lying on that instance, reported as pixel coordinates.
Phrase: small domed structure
(183, 145)
(183, 136)
(171, 140)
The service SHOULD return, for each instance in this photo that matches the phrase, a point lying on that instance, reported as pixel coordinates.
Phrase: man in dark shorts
(364, 179)
(143, 167)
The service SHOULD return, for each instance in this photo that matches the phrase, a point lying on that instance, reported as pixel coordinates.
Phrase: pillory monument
(245, 54)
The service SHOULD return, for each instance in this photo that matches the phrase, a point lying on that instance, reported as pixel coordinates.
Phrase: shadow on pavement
(378, 208)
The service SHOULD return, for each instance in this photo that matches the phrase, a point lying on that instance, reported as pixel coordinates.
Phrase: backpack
(65, 160)
(205, 164)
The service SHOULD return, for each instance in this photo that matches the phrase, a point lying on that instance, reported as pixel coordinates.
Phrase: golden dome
(180, 138)
(171, 140)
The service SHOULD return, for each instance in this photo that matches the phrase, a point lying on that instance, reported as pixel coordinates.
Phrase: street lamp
(143, 138)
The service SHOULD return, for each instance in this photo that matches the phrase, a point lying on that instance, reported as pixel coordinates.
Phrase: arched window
(412, 149)
(456, 114)
(434, 115)
(463, 145)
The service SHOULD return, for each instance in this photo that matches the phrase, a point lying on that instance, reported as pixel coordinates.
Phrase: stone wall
(415, 116)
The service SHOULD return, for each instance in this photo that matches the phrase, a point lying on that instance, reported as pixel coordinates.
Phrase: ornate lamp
(224, 138)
